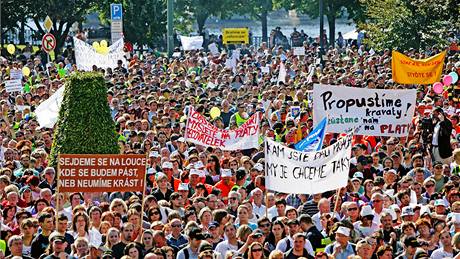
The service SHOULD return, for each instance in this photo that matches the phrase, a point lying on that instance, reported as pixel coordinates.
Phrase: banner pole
(337, 194)
(58, 174)
(265, 171)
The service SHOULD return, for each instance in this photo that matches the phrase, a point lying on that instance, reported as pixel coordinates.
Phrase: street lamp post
(321, 24)
(170, 18)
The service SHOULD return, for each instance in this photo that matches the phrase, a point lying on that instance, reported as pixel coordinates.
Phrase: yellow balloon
(104, 50)
(214, 112)
(103, 43)
(26, 71)
(96, 45)
(10, 48)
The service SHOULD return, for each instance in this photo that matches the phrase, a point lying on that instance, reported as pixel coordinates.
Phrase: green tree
(332, 9)
(405, 24)
(144, 21)
(201, 10)
(63, 14)
(257, 9)
(85, 125)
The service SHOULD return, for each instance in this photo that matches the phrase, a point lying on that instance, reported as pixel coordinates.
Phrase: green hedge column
(85, 125)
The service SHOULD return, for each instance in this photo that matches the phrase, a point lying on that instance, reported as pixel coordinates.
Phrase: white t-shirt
(223, 247)
(440, 253)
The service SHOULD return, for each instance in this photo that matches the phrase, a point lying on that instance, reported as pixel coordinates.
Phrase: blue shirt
(344, 254)
(181, 240)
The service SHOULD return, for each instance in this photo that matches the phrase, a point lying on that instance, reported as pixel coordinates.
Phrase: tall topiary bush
(85, 125)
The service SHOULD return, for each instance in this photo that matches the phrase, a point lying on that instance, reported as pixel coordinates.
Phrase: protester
(401, 201)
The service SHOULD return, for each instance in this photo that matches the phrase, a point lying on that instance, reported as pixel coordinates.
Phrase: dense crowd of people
(402, 199)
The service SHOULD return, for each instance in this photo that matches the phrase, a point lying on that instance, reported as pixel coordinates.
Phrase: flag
(282, 73)
(314, 140)
(47, 112)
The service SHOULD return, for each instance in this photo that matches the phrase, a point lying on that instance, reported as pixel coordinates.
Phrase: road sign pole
(170, 16)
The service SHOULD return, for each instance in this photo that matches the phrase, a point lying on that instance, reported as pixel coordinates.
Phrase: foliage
(144, 21)
(332, 9)
(257, 9)
(406, 24)
(85, 125)
(63, 14)
(201, 10)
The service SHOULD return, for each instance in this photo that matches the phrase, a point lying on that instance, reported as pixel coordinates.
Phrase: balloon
(103, 43)
(103, 50)
(438, 87)
(454, 77)
(10, 48)
(26, 71)
(214, 112)
(96, 45)
(447, 80)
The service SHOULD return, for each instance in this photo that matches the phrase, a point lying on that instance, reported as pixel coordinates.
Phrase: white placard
(213, 49)
(265, 69)
(374, 112)
(199, 131)
(12, 86)
(48, 111)
(291, 171)
(299, 51)
(15, 74)
(191, 43)
(86, 56)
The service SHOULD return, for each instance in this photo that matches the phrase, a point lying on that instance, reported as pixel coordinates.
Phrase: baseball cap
(182, 187)
(407, 211)
(411, 241)
(56, 236)
(258, 166)
(344, 231)
(213, 224)
(226, 173)
(366, 210)
(167, 165)
(439, 202)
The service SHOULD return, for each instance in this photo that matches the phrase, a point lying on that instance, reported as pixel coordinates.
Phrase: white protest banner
(265, 69)
(86, 56)
(374, 112)
(291, 171)
(213, 49)
(199, 131)
(48, 111)
(191, 43)
(299, 51)
(282, 73)
(12, 86)
(15, 74)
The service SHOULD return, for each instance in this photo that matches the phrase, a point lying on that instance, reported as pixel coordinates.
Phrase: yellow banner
(235, 35)
(417, 71)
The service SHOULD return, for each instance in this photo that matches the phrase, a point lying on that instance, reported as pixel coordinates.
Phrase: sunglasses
(429, 185)
(257, 250)
(266, 225)
(176, 225)
(351, 209)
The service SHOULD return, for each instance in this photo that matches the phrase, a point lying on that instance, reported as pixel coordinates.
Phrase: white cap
(407, 211)
(182, 187)
(259, 167)
(425, 209)
(392, 212)
(392, 171)
(455, 218)
(358, 175)
(151, 171)
(198, 164)
(181, 139)
(439, 202)
(390, 192)
(344, 231)
(366, 210)
(226, 173)
(154, 154)
(167, 165)
(194, 172)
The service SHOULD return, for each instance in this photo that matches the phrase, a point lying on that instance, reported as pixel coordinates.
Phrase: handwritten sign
(199, 131)
(372, 112)
(101, 173)
(292, 171)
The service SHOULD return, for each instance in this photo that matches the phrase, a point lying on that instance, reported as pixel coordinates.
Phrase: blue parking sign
(116, 12)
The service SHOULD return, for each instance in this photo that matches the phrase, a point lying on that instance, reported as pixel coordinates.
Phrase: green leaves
(85, 125)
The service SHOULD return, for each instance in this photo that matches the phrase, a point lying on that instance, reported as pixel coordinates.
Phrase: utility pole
(170, 17)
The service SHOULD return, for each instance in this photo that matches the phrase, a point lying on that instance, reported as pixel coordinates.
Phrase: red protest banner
(101, 173)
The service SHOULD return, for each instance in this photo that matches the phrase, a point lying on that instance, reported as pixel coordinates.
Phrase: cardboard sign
(12, 86)
(406, 70)
(201, 132)
(291, 171)
(372, 112)
(101, 173)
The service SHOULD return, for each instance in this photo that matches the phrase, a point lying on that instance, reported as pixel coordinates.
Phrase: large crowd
(402, 199)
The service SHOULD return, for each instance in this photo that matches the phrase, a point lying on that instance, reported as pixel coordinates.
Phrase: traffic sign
(48, 23)
(116, 12)
(48, 42)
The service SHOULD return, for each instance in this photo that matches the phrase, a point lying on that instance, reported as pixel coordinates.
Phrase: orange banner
(417, 71)
(101, 173)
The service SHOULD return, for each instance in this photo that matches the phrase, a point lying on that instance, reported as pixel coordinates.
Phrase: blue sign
(116, 12)
(314, 141)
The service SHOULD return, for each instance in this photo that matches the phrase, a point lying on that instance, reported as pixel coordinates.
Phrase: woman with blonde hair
(113, 238)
